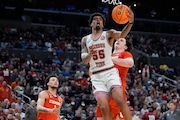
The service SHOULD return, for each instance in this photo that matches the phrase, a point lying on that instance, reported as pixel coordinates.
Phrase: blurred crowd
(157, 45)
(67, 39)
(42, 38)
(25, 74)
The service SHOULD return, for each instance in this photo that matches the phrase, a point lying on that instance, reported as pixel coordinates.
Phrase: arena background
(24, 22)
(151, 17)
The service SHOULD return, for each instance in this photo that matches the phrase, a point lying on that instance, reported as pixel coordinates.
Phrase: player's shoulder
(110, 30)
(127, 52)
(43, 93)
(84, 38)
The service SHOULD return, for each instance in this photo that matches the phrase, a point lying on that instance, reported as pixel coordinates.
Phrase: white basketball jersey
(102, 59)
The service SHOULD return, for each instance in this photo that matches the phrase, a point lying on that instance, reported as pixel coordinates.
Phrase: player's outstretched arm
(129, 25)
(124, 62)
(127, 28)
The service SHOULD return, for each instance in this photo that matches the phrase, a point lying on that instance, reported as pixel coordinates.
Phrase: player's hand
(55, 110)
(130, 15)
(92, 49)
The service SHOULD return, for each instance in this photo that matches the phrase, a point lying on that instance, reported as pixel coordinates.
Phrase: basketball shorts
(104, 81)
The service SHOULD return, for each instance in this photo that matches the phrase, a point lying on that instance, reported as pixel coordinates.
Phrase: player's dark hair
(48, 78)
(129, 44)
(96, 14)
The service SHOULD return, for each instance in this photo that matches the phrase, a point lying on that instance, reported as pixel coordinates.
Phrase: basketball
(119, 14)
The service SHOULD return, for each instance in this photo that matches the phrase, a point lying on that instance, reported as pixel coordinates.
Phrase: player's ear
(47, 84)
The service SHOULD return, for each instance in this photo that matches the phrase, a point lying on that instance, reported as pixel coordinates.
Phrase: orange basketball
(119, 14)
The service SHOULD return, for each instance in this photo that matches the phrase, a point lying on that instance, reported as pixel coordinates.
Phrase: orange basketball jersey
(123, 70)
(50, 102)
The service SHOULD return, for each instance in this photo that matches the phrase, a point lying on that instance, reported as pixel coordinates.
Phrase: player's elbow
(131, 63)
(38, 108)
(85, 58)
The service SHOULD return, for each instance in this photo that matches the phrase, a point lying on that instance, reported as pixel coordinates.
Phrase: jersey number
(99, 54)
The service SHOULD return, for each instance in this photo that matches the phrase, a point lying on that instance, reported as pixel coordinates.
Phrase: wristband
(84, 55)
(131, 23)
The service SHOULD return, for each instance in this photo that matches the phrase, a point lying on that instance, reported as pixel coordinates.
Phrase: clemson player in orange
(123, 60)
(49, 102)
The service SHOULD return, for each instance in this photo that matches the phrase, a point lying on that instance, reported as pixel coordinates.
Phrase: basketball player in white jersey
(96, 51)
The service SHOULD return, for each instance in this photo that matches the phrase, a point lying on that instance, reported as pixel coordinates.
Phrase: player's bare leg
(103, 102)
(118, 96)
